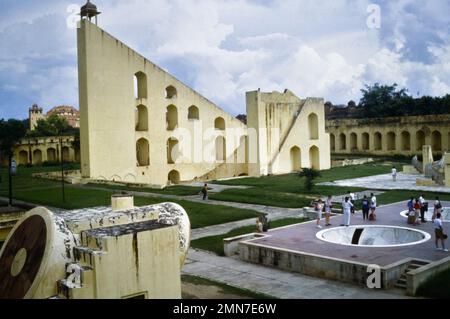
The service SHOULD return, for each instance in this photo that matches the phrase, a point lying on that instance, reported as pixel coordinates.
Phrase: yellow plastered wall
(144, 262)
(107, 114)
(281, 121)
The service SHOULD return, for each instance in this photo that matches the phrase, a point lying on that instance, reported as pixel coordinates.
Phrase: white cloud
(225, 48)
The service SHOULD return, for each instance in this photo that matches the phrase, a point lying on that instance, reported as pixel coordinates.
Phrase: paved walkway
(274, 282)
(384, 181)
(216, 188)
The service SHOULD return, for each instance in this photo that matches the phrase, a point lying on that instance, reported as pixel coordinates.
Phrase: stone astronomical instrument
(34, 255)
(174, 214)
(102, 252)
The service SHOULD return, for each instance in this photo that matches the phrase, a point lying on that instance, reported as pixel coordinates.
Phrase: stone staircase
(413, 265)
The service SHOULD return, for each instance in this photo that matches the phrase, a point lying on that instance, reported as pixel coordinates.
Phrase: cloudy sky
(223, 48)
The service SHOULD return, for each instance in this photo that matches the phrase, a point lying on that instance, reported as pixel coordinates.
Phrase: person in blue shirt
(365, 207)
(410, 205)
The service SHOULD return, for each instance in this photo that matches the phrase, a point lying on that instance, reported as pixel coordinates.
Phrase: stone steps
(413, 265)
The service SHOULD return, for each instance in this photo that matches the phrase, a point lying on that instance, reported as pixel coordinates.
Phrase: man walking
(205, 192)
(394, 174)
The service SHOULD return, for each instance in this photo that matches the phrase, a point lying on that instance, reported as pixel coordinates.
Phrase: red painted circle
(32, 236)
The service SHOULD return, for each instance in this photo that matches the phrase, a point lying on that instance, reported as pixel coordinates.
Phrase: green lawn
(395, 196)
(179, 190)
(23, 179)
(291, 183)
(201, 215)
(226, 289)
(215, 243)
(436, 287)
(289, 191)
(44, 192)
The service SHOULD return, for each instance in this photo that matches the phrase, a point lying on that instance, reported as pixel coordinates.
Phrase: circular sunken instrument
(30, 257)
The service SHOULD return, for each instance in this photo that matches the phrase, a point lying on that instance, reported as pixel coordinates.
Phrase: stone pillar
(447, 169)
(427, 154)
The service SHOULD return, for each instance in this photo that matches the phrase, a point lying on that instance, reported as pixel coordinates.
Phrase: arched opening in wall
(332, 142)
(436, 141)
(172, 117)
(219, 124)
(171, 92)
(296, 159)
(23, 157)
(142, 152)
(406, 141)
(342, 142)
(377, 141)
(314, 158)
(365, 142)
(391, 139)
(141, 118)
(51, 155)
(173, 150)
(193, 113)
(77, 155)
(353, 141)
(420, 140)
(174, 177)
(66, 154)
(140, 85)
(221, 149)
(313, 124)
(37, 157)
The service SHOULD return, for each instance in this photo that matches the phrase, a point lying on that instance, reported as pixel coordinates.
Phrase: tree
(242, 118)
(351, 104)
(52, 126)
(11, 132)
(309, 174)
(384, 100)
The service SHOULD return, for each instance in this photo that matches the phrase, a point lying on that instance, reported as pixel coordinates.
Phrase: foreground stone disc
(21, 257)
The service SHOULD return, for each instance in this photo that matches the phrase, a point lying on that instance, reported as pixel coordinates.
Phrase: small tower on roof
(34, 114)
(89, 11)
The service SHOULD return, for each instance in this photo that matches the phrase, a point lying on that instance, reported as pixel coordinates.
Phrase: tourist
(259, 225)
(437, 208)
(365, 206)
(417, 209)
(439, 232)
(410, 206)
(394, 174)
(205, 192)
(328, 207)
(352, 197)
(346, 207)
(373, 206)
(423, 208)
(318, 208)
